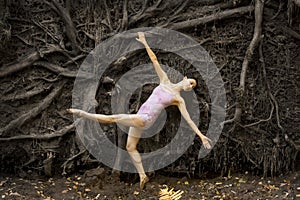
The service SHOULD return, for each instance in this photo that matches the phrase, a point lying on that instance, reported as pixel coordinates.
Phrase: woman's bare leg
(130, 120)
(132, 141)
(135, 122)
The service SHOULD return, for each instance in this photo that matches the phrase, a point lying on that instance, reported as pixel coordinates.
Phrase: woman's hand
(141, 38)
(74, 111)
(206, 142)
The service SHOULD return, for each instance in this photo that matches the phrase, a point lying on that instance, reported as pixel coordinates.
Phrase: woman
(165, 94)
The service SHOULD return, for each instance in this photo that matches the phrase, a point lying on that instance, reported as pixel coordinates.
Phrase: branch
(25, 62)
(210, 18)
(16, 123)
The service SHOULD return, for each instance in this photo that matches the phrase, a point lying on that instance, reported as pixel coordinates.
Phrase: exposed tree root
(210, 18)
(18, 122)
(62, 71)
(25, 95)
(56, 134)
(64, 13)
(259, 5)
(27, 61)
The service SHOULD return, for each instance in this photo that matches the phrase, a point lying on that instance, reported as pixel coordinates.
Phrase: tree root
(210, 18)
(27, 61)
(259, 5)
(64, 13)
(17, 123)
(291, 32)
(67, 164)
(56, 134)
(62, 71)
(125, 16)
(25, 95)
(146, 12)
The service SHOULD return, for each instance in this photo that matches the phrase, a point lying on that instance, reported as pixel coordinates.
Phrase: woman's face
(189, 84)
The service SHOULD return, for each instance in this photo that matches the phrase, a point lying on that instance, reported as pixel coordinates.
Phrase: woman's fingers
(74, 111)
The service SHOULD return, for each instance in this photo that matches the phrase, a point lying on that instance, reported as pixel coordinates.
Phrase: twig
(17, 123)
(146, 12)
(261, 58)
(262, 120)
(108, 16)
(45, 29)
(64, 165)
(73, 60)
(210, 18)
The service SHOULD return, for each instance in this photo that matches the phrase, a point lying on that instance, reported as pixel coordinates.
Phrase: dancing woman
(164, 95)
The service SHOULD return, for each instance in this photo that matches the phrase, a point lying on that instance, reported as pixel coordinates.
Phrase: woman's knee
(131, 147)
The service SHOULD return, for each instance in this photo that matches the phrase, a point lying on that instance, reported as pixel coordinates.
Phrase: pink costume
(151, 109)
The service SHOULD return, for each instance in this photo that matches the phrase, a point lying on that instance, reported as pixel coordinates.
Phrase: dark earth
(77, 186)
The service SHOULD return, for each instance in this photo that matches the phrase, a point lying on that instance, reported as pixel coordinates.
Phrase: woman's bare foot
(143, 182)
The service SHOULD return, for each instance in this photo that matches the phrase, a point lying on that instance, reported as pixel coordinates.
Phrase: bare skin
(136, 123)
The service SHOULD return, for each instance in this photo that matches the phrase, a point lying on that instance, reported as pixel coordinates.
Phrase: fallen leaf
(242, 181)
(2, 183)
(166, 194)
(64, 191)
(135, 192)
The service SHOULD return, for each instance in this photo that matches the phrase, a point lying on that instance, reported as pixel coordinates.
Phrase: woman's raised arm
(161, 74)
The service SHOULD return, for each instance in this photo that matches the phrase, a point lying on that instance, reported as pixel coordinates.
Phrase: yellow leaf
(64, 191)
(87, 189)
(186, 182)
(135, 192)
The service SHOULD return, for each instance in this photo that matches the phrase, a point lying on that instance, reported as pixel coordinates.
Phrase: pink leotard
(151, 109)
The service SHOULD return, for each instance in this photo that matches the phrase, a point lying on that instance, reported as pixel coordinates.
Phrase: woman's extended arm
(205, 140)
(161, 74)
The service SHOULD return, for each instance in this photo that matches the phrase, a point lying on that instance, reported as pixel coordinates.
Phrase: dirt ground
(235, 186)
